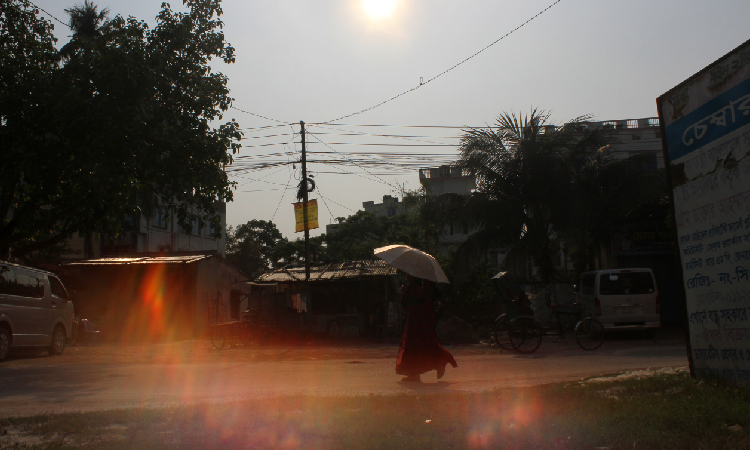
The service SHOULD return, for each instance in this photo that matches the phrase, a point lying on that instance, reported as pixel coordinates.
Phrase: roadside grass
(663, 411)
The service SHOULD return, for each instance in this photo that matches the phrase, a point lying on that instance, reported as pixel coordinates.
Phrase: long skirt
(420, 350)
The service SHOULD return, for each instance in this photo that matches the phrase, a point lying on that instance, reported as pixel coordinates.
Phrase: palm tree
(85, 21)
(540, 185)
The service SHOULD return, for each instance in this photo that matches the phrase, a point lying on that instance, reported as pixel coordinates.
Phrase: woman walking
(420, 351)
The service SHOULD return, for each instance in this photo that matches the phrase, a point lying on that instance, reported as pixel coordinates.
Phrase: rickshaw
(518, 330)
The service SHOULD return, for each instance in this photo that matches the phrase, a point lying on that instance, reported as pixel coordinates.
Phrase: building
(156, 296)
(157, 232)
(352, 298)
(390, 207)
(634, 137)
(445, 180)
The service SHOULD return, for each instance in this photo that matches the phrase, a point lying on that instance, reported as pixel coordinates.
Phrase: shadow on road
(420, 386)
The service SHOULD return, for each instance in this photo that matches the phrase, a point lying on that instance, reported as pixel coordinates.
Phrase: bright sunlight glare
(378, 8)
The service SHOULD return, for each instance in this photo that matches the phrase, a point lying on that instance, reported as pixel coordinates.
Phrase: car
(622, 298)
(35, 310)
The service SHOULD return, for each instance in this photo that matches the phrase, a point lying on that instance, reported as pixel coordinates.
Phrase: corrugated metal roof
(329, 272)
(138, 260)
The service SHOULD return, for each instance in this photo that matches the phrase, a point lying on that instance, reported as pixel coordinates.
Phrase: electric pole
(304, 203)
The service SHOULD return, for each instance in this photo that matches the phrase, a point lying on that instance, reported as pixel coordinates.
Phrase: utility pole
(308, 299)
(304, 203)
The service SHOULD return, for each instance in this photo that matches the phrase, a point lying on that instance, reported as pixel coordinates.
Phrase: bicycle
(524, 333)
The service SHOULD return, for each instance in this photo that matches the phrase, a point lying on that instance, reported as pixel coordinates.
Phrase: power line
(447, 70)
(282, 195)
(337, 203)
(389, 184)
(45, 12)
(325, 203)
(261, 116)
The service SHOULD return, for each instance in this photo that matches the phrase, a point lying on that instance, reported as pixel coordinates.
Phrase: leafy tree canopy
(362, 232)
(253, 246)
(125, 119)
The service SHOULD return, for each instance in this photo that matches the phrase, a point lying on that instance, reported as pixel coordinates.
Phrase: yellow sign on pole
(312, 215)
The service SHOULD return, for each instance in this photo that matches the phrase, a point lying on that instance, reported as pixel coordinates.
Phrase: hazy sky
(319, 60)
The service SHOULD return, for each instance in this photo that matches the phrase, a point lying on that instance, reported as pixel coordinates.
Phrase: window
(195, 226)
(627, 283)
(57, 287)
(128, 223)
(29, 285)
(161, 217)
(211, 230)
(7, 281)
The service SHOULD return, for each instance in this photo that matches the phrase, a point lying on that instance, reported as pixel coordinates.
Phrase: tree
(85, 21)
(253, 246)
(359, 234)
(538, 185)
(293, 252)
(100, 136)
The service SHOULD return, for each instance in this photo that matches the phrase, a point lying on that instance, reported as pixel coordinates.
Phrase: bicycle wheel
(218, 338)
(589, 334)
(525, 334)
(501, 333)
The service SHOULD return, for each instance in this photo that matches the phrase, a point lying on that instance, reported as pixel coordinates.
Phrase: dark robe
(420, 350)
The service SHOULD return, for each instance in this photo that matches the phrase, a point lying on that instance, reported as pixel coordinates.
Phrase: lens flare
(378, 9)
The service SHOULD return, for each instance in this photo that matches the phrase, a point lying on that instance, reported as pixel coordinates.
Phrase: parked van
(35, 310)
(622, 298)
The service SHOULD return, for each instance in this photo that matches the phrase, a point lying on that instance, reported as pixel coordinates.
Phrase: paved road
(35, 388)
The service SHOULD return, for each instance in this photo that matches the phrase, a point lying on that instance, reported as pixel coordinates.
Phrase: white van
(35, 310)
(622, 298)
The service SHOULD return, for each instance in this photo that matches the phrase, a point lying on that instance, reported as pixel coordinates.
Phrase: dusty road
(112, 377)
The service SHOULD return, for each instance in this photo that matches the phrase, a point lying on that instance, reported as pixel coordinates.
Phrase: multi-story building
(449, 180)
(634, 137)
(390, 207)
(158, 232)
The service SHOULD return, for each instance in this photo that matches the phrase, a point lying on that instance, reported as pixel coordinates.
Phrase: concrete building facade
(158, 232)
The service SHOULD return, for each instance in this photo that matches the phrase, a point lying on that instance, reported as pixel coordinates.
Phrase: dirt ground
(201, 351)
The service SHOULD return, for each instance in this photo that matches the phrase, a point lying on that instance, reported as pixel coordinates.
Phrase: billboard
(312, 215)
(705, 125)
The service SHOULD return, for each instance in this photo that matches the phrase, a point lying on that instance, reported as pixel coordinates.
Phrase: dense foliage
(123, 118)
(252, 246)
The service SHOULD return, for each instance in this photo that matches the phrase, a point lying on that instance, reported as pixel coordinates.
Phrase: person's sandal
(411, 378)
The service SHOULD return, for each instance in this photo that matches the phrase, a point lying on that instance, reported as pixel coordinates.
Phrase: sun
(378, 9)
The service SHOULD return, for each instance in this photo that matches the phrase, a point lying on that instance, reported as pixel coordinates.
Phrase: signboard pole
(304, 203)
(308, 300)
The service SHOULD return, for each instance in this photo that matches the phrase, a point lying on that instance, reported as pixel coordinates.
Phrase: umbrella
(412, 261)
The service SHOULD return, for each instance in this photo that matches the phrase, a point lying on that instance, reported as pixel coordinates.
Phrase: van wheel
(57, 345)
(4, 342)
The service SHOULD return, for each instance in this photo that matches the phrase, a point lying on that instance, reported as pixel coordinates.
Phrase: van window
(7, 281)
(57, 288)
(587, 284)
(29, 285)
(628, 283)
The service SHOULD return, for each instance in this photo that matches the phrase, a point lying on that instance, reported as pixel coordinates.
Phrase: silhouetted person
(420, 350)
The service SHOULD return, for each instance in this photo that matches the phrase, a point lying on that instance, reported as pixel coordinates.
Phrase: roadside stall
(346, 299)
